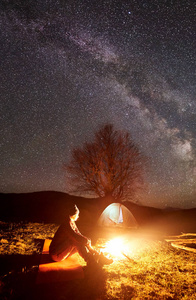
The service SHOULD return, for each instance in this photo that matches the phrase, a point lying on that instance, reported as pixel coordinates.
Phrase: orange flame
(116, 248)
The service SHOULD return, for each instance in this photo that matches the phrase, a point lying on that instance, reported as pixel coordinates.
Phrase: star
(66, 69)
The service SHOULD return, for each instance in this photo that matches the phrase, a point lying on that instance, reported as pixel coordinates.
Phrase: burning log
(118, 249)
(130, 259)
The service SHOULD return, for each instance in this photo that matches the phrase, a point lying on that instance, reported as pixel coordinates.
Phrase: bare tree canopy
(109, 165)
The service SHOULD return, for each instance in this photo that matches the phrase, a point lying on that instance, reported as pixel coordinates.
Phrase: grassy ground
(153, 269)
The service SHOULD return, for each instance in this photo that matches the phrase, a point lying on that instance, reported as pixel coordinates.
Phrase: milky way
(68, 67)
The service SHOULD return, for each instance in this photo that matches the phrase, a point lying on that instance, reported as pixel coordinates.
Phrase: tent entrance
(116, 214)
(120, 218)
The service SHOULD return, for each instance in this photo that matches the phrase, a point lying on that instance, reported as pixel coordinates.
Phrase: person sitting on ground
(68, 240)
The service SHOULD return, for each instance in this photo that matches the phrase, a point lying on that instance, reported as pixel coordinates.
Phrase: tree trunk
(107, 200)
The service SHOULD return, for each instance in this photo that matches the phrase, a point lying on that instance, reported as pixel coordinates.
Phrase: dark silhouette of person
(68, 240)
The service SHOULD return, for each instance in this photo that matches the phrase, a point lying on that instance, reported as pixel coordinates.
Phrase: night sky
(68, 67)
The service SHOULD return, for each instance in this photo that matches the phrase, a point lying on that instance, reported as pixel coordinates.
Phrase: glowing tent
(117, 214)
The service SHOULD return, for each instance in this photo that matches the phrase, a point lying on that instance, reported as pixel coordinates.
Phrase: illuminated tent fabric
(117, 214)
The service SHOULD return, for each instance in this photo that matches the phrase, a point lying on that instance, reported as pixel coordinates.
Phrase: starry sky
(68, 67)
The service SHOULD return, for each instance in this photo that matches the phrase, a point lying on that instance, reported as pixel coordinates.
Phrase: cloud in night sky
(66, 69)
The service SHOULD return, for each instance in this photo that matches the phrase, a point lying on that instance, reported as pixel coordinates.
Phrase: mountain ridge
(51, 206)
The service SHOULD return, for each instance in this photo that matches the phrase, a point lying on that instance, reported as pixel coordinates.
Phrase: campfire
(118, 248)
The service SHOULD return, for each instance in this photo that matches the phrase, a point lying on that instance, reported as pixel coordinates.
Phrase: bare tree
(110, 165)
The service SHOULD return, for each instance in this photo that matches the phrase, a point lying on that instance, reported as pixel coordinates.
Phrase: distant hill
(172, 221)
(47, 206)
(51, 206)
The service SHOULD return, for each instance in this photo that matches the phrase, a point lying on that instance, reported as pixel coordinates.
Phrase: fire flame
(116, 248)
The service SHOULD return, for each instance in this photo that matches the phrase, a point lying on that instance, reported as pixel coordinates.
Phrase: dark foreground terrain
(153, 269)
(156, 265)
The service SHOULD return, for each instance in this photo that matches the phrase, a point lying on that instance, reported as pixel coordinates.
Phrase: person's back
(68, 240)
(62, 239)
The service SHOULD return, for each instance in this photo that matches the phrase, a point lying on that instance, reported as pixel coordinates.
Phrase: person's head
(74, 213)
